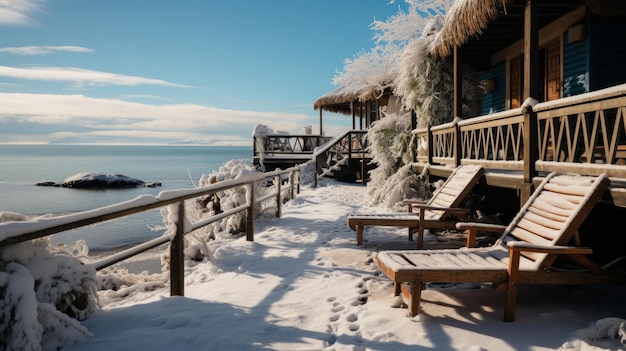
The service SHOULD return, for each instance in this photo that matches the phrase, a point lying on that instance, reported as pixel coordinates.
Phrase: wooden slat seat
(525, 252)
(441, 211)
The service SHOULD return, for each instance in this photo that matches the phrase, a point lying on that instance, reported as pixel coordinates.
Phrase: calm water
(176, 167)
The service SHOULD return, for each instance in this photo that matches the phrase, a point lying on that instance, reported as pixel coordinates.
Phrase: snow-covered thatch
(338, 100)
(371, 74)
(465, 19)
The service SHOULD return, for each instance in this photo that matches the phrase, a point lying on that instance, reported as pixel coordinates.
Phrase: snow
(303, 284)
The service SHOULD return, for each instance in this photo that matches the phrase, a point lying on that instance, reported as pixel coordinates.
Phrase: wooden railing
(287, 144)
(12, 233)
(584, 134)
(342, 149)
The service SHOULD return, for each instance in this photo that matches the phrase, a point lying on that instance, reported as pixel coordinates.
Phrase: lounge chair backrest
(555, 211)
(455, 188)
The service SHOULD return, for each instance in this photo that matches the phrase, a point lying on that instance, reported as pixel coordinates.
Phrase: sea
(175, 167)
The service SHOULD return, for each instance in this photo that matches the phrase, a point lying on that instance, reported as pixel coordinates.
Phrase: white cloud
(80, 76)
(18, 12)
(81, 116)
(43, 50)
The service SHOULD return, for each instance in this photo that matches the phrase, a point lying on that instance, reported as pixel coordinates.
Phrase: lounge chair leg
(420, 237)
(413, 295)
(410, 234)
(509, 305)
(511, 285)
(359, 235)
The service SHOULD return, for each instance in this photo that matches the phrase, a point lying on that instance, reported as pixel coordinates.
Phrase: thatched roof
(465, 19)
(484, 27)
(340, 99)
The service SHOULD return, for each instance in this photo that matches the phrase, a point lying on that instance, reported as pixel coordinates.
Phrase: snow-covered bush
(390, 145)
(196, 247)
(43, 295)
(426, 87)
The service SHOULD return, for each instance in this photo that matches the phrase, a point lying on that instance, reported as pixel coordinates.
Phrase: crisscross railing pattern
(497, 138)
(592, 137)
(444, 144)
(584, 134)
(590, 130)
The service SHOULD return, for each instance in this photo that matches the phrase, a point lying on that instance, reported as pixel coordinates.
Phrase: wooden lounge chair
(524, 254)
(441, 211)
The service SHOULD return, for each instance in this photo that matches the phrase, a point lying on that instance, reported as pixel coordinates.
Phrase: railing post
(292, 185)
(177, 259)
(315, 173)
(349, 148)
(531, 151)
(429, 139)
(297, 176)
(250, 214)
(457, 145)
(279, 203)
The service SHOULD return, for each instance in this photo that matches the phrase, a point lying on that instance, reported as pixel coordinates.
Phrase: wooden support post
(321, 129)
(458, 82)
(250, 214)
(361, 115)
(177, 257)
(353, 115)
(531, 90)
(531, 50)
(279, 202)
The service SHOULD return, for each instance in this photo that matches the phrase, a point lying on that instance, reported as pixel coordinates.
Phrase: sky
(164, 71)
(304, 284)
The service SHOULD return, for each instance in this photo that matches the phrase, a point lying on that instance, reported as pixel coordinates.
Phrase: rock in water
(93, 180)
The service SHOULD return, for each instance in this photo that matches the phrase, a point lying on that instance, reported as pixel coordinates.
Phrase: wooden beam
(321, 130)
(531, 89)
(353, 115)
(531, 50)
(458, 83)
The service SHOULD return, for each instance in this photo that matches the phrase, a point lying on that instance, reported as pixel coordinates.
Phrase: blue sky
(157, 71)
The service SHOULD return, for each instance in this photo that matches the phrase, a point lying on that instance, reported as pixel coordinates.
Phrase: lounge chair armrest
(412, 203)
(472, 229)
(557, 250)
(484, 227)
(439, 208)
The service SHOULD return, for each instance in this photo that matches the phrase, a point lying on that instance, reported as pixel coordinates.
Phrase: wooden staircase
(345, 158)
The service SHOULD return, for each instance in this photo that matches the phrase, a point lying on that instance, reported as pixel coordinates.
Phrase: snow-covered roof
(339, 99)
(491, 25)
(464, 19)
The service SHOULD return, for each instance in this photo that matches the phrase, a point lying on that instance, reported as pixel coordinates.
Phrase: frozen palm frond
(425, 85)
(369, 71)
(405, 27)
(376, 69)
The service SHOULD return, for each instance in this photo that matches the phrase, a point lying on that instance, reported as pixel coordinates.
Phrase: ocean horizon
(174, 166)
